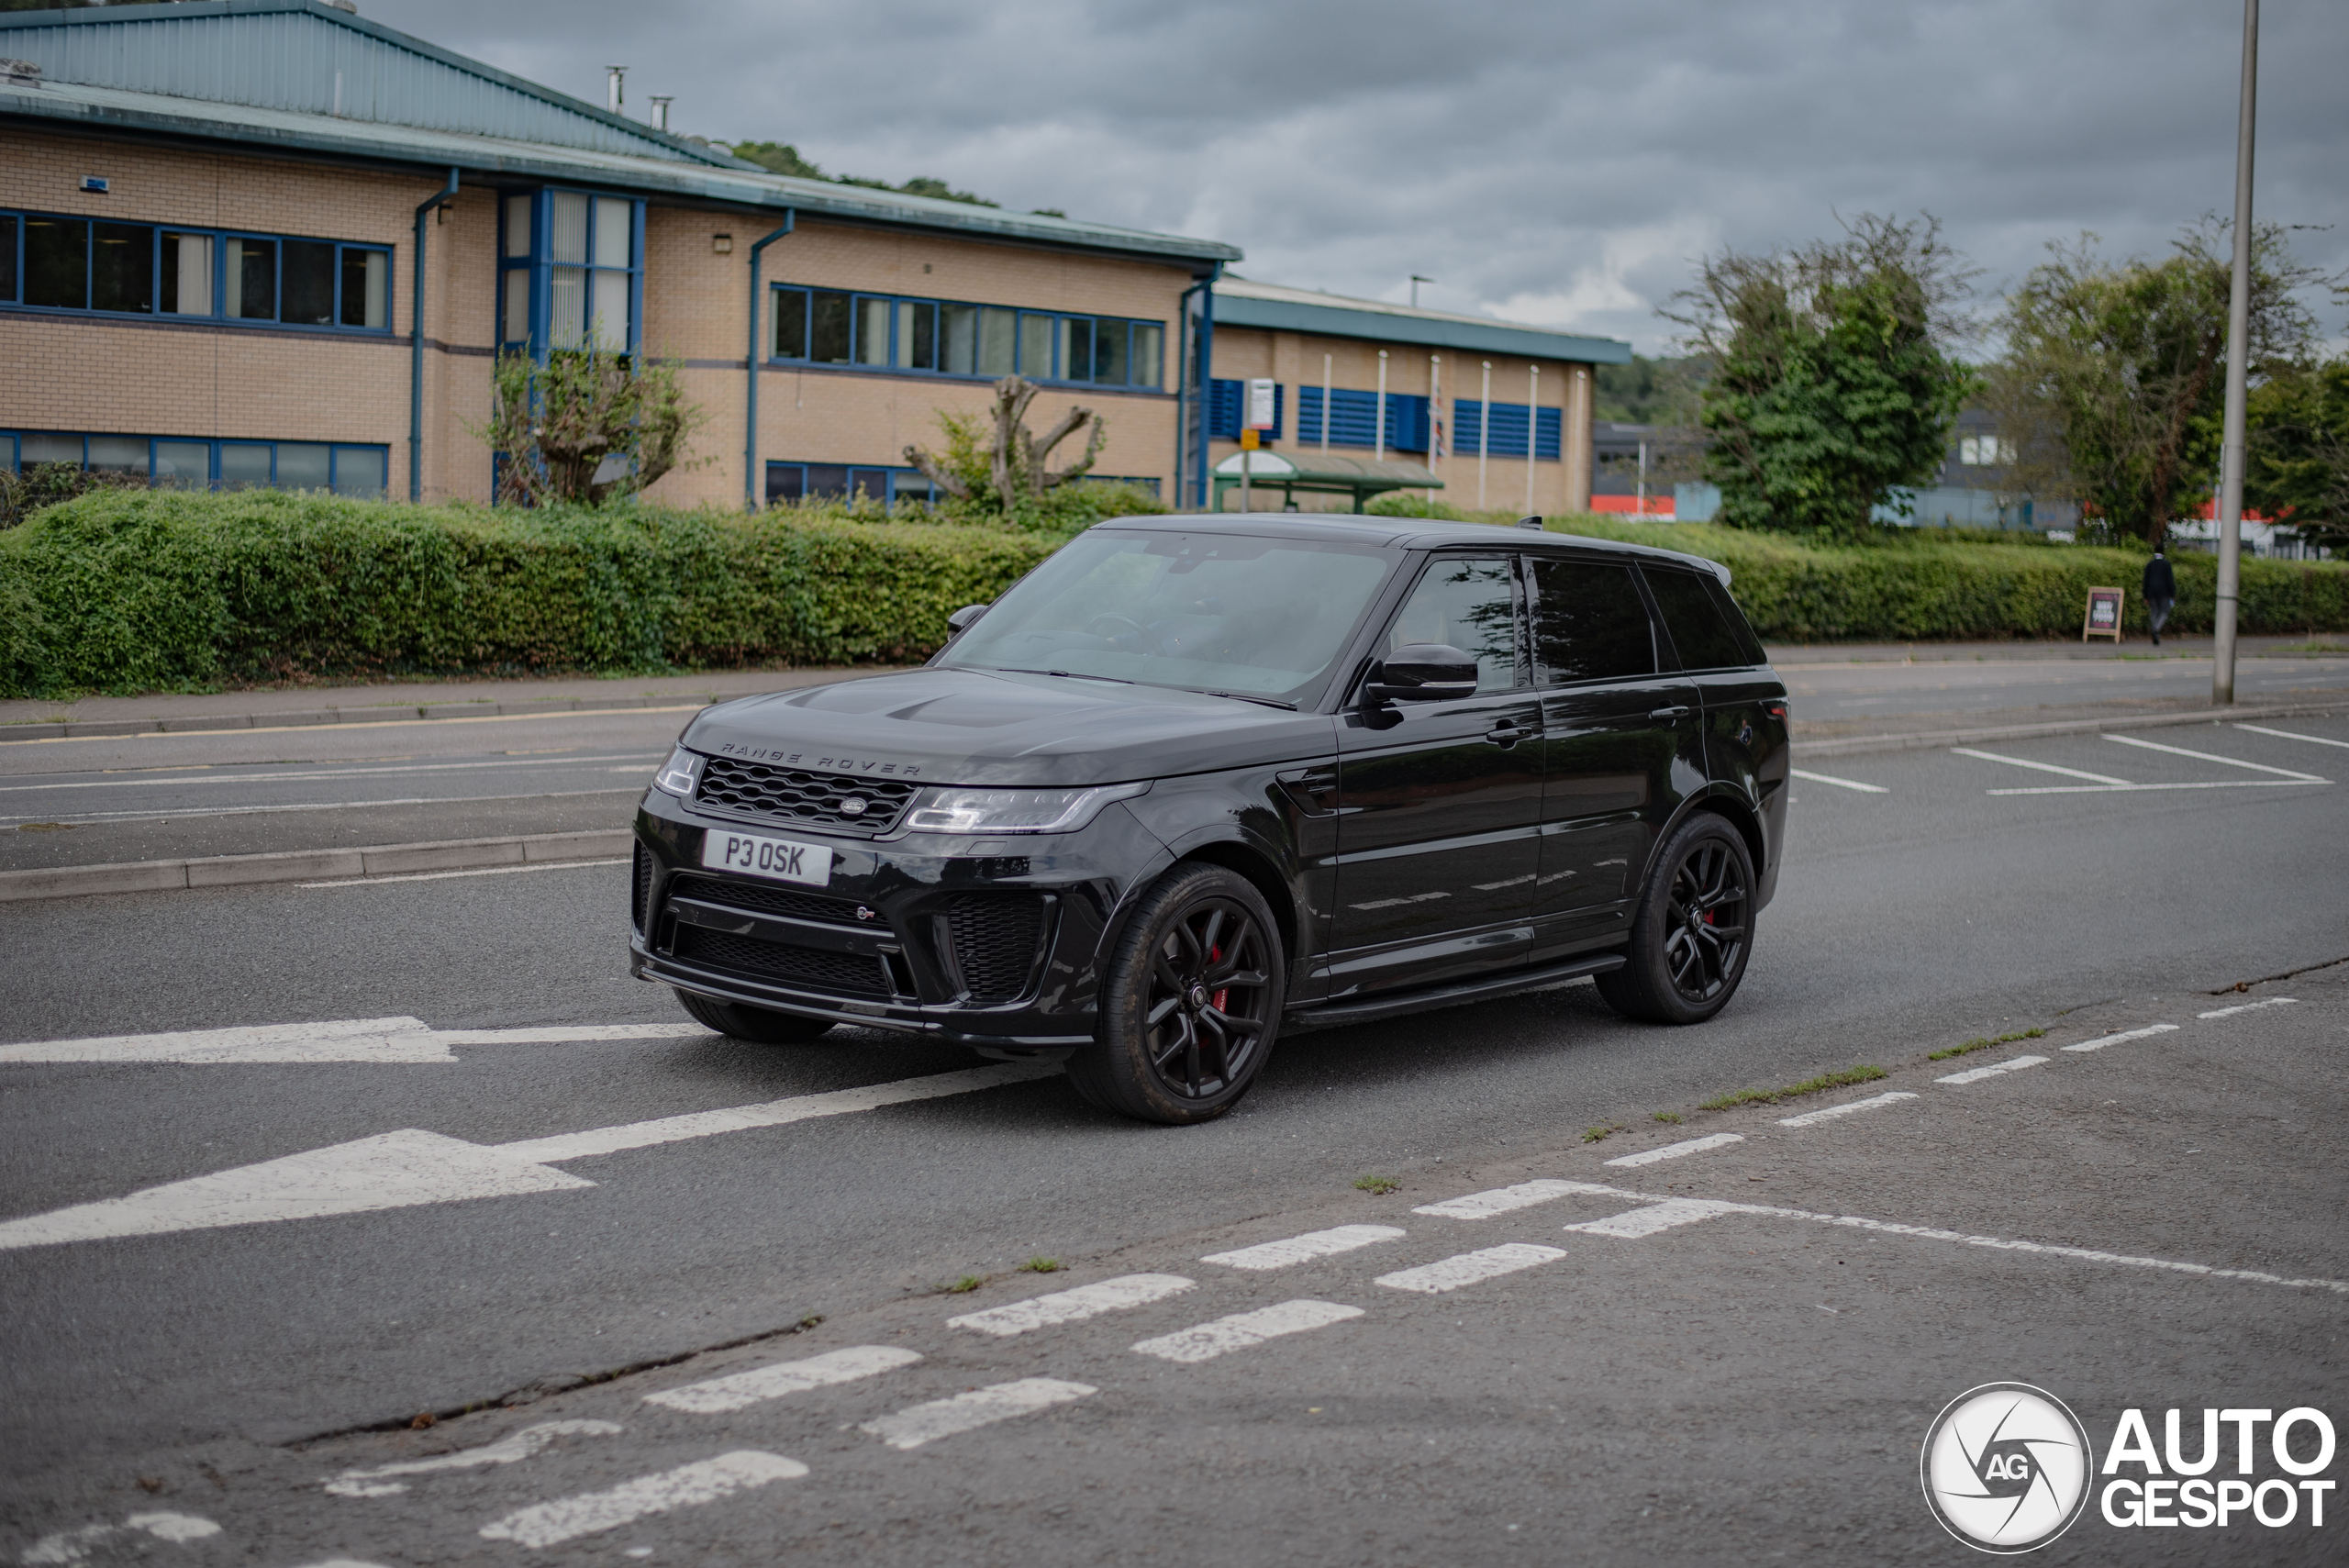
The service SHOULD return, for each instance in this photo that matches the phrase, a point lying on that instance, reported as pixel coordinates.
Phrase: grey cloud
(1564, 161)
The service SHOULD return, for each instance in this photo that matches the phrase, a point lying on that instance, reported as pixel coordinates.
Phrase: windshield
(1204, 612)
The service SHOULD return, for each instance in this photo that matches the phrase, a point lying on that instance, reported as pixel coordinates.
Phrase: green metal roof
(260, 73)
(1243, 302)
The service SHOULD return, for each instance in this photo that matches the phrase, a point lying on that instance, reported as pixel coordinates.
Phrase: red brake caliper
(1215, 955)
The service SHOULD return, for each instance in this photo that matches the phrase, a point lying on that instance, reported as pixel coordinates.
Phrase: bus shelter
(1316, 473)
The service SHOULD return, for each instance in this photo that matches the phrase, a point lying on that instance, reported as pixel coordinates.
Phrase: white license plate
(777, 858)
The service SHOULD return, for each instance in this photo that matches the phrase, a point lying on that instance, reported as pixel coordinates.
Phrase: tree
(2114, 374)
(1832, 382)
(782, 158)
(1010, 466)
(586, 427)
(1649, 392)
(2297, 470)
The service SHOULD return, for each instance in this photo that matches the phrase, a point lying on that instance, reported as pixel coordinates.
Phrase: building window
(1507, 436)
(54, 262)
(572, 270)
(830, 326)
(187, 462)
(1985, 452)
(1353, 419)
(790, 482)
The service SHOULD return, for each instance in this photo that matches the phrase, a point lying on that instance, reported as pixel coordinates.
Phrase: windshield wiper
(1063, 674)
(1242, 697)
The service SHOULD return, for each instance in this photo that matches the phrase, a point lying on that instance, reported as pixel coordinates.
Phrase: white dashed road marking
(73, 1545)
(1809, 1118)
(1073, 1305)
(1676, 1150)
(400, 1169)
(2214, 757)
(2248, 1006)
(522, 1445)
(1632, 1224)
(689, 1485)
(740, 1390)
(1500, 1200)
(1304, 1248)
(395, 1039)
(2102, 1040)
(1471, 1268)
(1844, 784)
(1205, 1341)
(1975, 1075)
(980, 1407)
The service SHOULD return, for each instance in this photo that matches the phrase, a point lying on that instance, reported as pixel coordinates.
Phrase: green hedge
(1914, 586)
(129, 591)
(145, 590)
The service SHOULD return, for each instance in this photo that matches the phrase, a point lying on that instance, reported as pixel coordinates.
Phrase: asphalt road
(1742, 1383)
(1834, 699)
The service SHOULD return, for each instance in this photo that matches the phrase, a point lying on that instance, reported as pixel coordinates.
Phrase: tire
(1191, 1003)
(1693, 930)
(760, 1026)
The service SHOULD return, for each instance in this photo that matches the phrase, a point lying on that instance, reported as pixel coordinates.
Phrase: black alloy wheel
(1191, 1004)
(1692, 930)
(760, 1026)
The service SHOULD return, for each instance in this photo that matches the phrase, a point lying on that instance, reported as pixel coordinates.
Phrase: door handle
(1506, 734)
(1667, 713)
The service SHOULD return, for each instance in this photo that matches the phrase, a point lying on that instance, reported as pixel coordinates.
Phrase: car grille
(776, 901)
(809, 967)
(996, 937)
(793, 794)
(642, 900)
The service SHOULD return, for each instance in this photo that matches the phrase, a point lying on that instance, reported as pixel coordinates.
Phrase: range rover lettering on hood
(804, 758)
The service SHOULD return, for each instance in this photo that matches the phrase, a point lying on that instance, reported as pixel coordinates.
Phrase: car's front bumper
(989, 940)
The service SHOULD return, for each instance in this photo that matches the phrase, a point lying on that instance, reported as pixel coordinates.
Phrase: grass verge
(1818, 1086)
(1983, 1042)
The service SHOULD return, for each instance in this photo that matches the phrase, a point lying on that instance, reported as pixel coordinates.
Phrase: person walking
(2161, 593)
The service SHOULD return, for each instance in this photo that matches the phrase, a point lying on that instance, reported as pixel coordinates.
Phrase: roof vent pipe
(660, 113)
(612, 74)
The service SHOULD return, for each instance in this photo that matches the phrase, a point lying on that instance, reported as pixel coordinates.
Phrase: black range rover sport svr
(1194, 778)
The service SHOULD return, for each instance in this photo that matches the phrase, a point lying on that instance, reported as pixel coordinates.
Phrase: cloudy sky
(1560, 162)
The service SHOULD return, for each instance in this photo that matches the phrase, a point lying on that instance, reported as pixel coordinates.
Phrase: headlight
(679, 774)
(1014, 810)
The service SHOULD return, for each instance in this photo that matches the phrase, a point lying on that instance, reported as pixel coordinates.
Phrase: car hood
(973, 727)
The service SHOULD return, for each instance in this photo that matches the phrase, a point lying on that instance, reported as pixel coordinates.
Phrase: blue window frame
(570, 270)
(95, 266)
(1354, 418)
(198, 463)
(939, 337)
(1509, 432)
(788, 481)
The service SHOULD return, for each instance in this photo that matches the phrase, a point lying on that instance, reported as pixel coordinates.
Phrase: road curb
(306, 865)
(1859, 745)
(306, 718)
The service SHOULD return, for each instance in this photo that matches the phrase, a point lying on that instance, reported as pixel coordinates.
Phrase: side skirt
(1372, 1009)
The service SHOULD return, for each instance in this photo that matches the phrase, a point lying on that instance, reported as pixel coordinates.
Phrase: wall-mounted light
(722, 244)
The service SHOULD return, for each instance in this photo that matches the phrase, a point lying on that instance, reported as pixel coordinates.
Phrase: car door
(1622, 745)
(1744, 701)
(1441, 802)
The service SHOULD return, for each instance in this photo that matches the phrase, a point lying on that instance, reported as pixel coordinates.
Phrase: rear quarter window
(1708, 629)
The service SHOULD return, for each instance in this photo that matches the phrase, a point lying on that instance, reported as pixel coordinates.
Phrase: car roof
(1401, 533)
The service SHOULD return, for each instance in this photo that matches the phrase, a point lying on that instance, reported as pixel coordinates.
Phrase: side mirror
(1423, 672)
(962, 620)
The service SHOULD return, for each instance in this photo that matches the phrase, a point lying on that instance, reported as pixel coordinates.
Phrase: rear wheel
(1693, 929)
(762, 1025)
(1191, 1002)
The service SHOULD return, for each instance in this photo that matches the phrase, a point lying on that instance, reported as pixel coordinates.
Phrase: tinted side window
(1467, 604)
(1699, 631)
(1589, 624)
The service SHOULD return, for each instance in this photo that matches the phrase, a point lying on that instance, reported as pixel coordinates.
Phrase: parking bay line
(1242, 1330)
(740, 1390)
(2248, 1006)
(399, 1040)
(1471, 1268)
(2041, 767)
(2213, 757)
(1073, 1305)
(1843, 783)
(1975, 1075)
(1634, 1224)
(2102, 1040)
(2292, 735)
(1679, 1150)
(688, 1486)
(510, 1449)
(1303, 1249)
(411, 1167)
(910, 1428)
(445, 875)
(1811, 1118)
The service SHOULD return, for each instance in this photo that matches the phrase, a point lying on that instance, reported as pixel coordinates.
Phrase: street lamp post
(2230, 462)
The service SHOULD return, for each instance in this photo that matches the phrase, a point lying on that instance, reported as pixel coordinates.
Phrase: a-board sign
(2104, 614)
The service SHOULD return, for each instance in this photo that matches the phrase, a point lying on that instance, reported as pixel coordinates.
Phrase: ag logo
(2005, 1467)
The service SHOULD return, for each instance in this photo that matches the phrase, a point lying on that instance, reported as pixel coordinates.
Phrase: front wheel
(1692, 930)
(760, 1026)
(1191, 1002)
